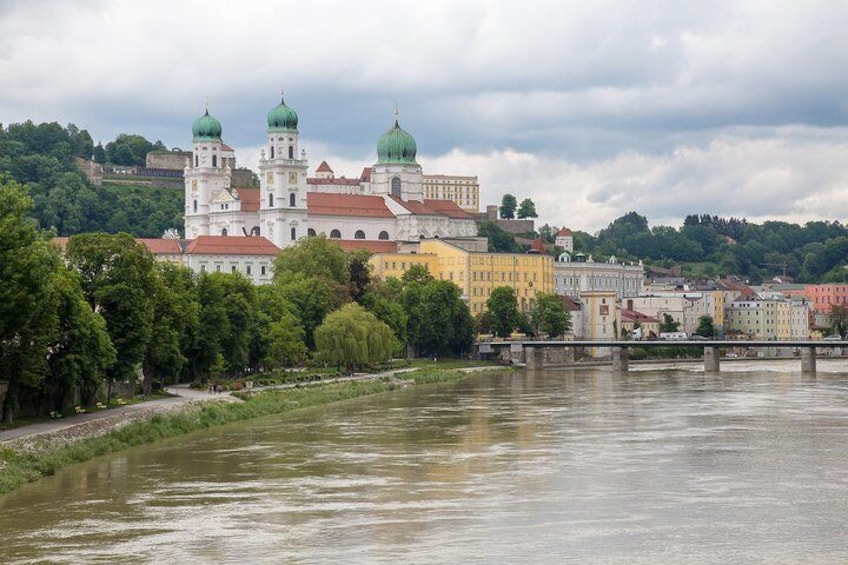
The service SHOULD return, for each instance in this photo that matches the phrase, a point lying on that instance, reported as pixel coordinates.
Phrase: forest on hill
(41, 157)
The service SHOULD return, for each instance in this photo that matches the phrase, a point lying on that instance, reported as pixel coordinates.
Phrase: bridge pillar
(711, 360)
(808, 360)
(620, 360)
(534, 358)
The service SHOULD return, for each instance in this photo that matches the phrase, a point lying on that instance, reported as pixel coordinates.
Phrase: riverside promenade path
(99, 422)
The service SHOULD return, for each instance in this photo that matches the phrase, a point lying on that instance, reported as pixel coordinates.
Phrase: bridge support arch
(620, 360)
(808, 360)
(711, 360)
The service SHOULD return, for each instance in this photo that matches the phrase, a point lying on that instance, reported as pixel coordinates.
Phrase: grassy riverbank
(28, 461)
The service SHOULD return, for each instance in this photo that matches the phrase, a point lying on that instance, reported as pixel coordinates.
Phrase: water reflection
(661, 466)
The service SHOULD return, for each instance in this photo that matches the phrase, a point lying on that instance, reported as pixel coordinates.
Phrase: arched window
(396, 187)
(270, 200)
(194, 206)
(359, 234)
(272, 152)
(291, 200)
(383, 235)
(291, 152)
(255, 231)
(310, 232)
(196, 161)
(293, 234)
(214, 160)
(224, 232)
(335, 234)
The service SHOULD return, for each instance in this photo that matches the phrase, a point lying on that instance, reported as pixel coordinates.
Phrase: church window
(383, 235)
(310, 232)
(291, 152)
(291, 200)
(196, 160)
(293, 234)
(272, 152)
(214, 160)
(270, 200)
(359, 234)
(194, 206)
(396, 187)
(224, 232)
(335, 234)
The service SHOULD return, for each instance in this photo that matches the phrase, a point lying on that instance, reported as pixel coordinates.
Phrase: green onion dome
(206, 128)
(396, 146)
(282, 118)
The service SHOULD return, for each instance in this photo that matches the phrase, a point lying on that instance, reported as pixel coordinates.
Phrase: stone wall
(173, 160)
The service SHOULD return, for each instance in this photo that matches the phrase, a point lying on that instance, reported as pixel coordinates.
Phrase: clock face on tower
(194, 186)
(292, 178)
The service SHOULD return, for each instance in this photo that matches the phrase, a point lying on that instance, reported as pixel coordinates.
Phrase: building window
(383, 235)
(262, 270)
(196, 161)
(270, 200)
(217, 268)
(359, 234)
(272, 152)
(214, 160)
(396, 187)
(224, 232)
(310, 232)
(233, 269)
(291, 200)
(335, 234)
(248, 270)
(293, 234)
(291, 152)
(194, 206)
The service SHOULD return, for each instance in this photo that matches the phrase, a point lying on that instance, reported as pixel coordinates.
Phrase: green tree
(314, 257)
(838, 318)
(508, 205)
(117, 275)
(27, 262)
(281, 334)
(706, 328)
(503, 307)
(549, 315)
(499, 240)
(669, 324)
(527, 209)
(352, 336)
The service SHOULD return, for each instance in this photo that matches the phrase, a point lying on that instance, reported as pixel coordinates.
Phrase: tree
(508, 205)
(503, 306)
(314, 257)
(706, 328)
(117, 275)
(527, 209)
(439, 321)
(27, 261)
(549, 315)
(838, 318)
(499, 240)
(669, 325)
(352, 336)
(280, 333)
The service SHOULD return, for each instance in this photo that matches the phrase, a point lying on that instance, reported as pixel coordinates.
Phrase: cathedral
(385, 204)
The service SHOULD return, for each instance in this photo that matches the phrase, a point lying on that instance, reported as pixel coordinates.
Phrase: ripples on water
(662, 466)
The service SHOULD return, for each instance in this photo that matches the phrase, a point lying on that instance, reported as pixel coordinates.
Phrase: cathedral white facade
(386, 203)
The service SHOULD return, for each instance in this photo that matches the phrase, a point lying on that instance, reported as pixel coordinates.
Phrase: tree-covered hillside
(42, 158)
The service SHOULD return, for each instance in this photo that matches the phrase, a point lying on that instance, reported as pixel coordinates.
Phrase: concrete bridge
(534, 351)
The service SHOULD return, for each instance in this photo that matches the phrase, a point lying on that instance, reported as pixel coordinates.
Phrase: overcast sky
(591, 109)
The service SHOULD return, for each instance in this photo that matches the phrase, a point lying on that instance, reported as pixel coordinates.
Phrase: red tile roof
(448, 208)
(634, 316)
(538, 245)
(340, 181)
(371, 245)
(225, 147)
(323, 168)
(564, 232)
(356, 205)
(231, 245)
(161, 246)
(249, 199)
(366, 174)
(415, 207)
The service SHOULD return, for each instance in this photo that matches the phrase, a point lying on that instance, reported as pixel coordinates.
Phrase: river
(661, 466)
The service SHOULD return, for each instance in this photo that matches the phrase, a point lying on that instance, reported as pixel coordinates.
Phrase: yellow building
(465, 191)
(475, 273)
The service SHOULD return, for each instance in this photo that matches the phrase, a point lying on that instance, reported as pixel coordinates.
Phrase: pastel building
(476, 273)
(757, 318)
(576, 274)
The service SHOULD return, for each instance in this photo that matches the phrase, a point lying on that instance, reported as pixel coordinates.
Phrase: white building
(575, 275)
(387, 202)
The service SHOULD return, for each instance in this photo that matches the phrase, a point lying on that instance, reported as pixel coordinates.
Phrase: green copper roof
(282, 118)
(396, 146)
(206, 128)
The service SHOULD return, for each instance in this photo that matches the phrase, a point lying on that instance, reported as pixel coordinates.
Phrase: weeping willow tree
(352, 336)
